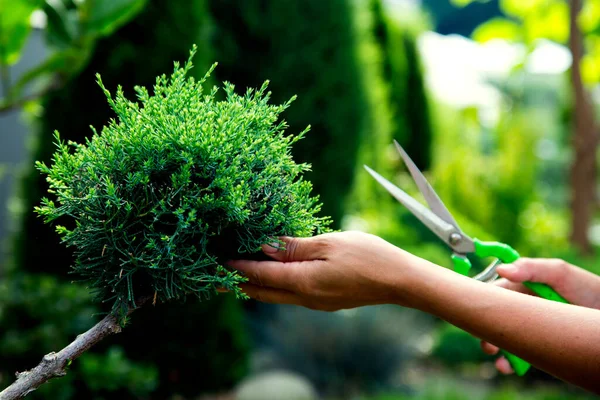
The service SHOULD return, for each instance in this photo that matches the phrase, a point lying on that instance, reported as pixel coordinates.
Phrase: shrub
(177, 185)
(454, 347)
(306, 47)
(403, 72)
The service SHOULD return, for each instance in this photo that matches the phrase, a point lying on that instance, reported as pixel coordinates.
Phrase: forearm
(560, 339)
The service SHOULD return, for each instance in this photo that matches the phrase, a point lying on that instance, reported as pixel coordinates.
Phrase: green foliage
(14, 28)
(27, 295)
(309, 48)
(24, 310)
(400, 110)
(178, 185)
(187, 341)
(104, 16)
(212, 329)
(111, 371)
(366, 198)
(528, 22)
(72, 30)
(498, 28)
(455, 346)
(493, 168)
(402, 72)
(520, 193)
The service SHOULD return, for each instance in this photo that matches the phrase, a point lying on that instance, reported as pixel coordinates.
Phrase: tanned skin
(345, 270)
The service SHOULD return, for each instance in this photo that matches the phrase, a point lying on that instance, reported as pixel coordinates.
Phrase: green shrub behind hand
(178, 184)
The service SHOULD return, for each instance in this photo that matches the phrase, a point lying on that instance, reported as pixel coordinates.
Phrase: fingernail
(271, 248)
(506, 269)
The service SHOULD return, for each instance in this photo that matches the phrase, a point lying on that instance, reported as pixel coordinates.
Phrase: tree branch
(55, 364)
(9, 105)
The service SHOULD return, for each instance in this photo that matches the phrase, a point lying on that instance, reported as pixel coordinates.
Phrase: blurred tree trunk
(585, 143)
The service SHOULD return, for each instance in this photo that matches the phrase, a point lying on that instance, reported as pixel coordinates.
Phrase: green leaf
(15, 27)
(523, 8)
(102, 17)
(497, 28)
(589, 17)
(549, 22)
(590, 62)
(60, 29)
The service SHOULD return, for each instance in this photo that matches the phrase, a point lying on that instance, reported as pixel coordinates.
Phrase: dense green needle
(177, 184)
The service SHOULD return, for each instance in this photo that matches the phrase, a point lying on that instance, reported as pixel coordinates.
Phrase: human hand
(576, 285)
(329, 272)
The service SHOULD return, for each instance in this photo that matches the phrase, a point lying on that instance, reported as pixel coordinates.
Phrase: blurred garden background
(496, 101)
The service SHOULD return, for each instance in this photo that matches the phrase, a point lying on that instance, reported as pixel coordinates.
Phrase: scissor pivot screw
(455, 239)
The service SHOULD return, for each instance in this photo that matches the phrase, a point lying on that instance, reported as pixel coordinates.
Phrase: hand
(328, 272)
(576, 285)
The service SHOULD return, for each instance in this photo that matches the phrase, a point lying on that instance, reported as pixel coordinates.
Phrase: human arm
(346, 270)
(575, 284)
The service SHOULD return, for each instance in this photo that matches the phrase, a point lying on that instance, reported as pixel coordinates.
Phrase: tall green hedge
(394, 82)
(168, 349)
(403, 72)
(305, 48)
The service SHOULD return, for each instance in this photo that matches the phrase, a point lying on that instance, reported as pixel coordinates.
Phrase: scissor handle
(506, 254)
(545, 291)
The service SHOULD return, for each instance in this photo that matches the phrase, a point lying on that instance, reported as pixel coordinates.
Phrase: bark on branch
(55, 365)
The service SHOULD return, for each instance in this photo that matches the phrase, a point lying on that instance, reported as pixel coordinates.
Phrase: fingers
(274, 274)
(503, 366)
(284, 272)
(270, 295)
(546, 271)
(489, 348)
(298, 249)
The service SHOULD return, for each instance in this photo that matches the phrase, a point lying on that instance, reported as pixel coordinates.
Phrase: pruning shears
(440, 221)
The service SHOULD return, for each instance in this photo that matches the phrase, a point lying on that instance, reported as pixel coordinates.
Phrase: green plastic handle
(545, 291)
(462, 265)
(518, 365)
(507, 255)
(502, 251)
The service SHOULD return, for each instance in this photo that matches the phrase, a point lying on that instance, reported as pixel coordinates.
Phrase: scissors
(440, 221)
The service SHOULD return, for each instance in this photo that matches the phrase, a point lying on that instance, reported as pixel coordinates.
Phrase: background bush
(305, 48)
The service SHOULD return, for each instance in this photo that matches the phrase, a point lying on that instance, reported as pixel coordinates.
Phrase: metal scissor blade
(433, 200)
(437, 225)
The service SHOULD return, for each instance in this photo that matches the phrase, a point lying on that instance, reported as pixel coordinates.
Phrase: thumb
(550, 272)
(296, 249)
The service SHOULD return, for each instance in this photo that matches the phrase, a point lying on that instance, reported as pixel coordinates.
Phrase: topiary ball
(178, 184)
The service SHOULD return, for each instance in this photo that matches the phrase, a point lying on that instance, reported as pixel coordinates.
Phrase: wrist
(414, 281)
